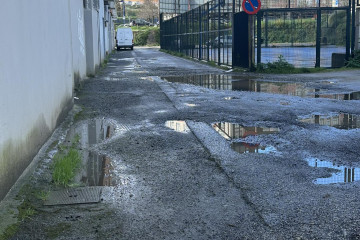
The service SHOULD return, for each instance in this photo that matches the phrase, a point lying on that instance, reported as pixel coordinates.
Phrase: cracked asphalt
(182, 180)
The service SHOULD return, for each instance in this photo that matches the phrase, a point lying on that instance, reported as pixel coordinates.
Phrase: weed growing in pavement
(65, 167)
(281, 66)
(354, 61)
(43, 195)
(66, 162)
(24, 211)
(79, 115)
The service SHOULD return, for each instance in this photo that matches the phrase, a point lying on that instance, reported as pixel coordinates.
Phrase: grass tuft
(354, 61)
(281, 66)
(65, 167)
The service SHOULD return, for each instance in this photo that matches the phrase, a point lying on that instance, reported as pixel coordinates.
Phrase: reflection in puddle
(230, 98)
(233, 130)
(178, 126)
(238, 83)
(243, 147)
(341, 121)
(345, 174)
(113, 78)
(191, 104)
(92, 132)
(98, 171)
(134, 71)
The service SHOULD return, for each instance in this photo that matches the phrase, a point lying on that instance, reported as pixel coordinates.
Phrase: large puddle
(232, 131)
(340, 121)
(244, 147)
(238, 83)
(92, 132)
(342, 174)
(178, 126)
(97, 169)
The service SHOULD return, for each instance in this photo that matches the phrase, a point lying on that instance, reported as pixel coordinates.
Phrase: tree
(149, 10)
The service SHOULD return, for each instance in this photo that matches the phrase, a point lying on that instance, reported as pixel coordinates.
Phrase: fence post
(208, 31)
(218, 43)
(357, 32)
(186, 33)
(348, 23)
(161, 31)
(266, 29)
(200, 34)
(192, 33)
(353, 25)
(318, 38)
(258, 42)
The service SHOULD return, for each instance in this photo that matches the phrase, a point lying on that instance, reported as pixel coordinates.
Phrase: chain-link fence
(305, 33)
(204, 33)
(304, 38)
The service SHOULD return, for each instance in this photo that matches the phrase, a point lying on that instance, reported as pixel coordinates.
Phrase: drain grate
(74, 196)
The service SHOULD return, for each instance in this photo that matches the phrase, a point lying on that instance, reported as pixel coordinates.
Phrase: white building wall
(78, 40)
(102, 31)
(36, 79)
(93, 35)
(106, 30)
(46, 47)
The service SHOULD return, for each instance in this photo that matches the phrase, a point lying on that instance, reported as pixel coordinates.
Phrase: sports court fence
(305, 33)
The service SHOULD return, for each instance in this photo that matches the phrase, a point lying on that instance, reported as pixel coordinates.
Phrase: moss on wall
(16, 154)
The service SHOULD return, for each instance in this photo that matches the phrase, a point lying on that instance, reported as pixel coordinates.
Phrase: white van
(124, 38)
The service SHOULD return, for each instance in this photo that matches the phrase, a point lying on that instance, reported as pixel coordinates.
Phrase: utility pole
(123, 1)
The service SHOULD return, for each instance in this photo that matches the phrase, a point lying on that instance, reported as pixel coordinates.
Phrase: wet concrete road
(196, 162)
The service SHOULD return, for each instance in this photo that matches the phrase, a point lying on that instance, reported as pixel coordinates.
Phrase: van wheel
(132, 48)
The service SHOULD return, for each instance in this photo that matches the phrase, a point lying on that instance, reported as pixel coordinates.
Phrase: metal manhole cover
(74, 196)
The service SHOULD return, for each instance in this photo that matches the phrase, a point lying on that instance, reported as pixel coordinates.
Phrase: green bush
(279, 66)
(354, 62)
(290, 31)
(147, 36)
(304, 30)
(141, 38)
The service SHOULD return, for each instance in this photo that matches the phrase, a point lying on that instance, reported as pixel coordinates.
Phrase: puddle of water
(230, 98)
(113, 78)
(345, 174)
(178, 126)
(340, 121)
(244, 147)
(191, 104)
(234, 131)
(122, 59)
(238, 83)
(92, 132)
(134, 71)
(97, 170)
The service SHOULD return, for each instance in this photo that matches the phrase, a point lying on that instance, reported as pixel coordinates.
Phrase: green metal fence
(305, 33)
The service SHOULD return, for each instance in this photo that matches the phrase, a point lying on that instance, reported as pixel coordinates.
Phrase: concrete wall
(102, 30)
(44, 50)
(78, 40)
(92, 38)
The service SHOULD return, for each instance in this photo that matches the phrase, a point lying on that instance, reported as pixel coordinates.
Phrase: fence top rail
(314, 9)
(213, 5)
